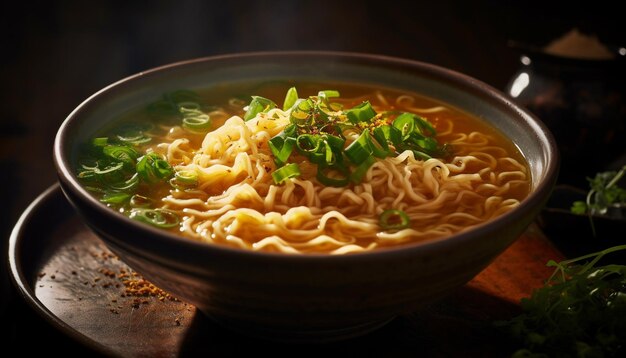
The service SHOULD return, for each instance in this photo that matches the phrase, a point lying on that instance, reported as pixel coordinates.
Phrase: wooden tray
(69, 277)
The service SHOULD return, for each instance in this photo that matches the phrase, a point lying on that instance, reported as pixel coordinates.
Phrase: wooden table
(73, 281)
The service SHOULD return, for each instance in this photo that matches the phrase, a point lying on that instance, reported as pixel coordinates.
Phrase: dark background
(57, 53)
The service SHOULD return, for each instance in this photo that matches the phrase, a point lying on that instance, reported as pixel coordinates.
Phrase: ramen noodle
(345, 170)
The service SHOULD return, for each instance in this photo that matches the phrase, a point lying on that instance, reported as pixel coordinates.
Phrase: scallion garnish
(361, 113)
(185, 105)
(189, 177)
(128, 185)
(317, 128)
(100, 141)
(153, 168)
(359, 172)
(193, 118)
(328, 94)
(184, 179)
(333, 175)
(258, 105)
(301, 113)
(281, 174)
(109, 168)
(115, 198)
(140, 201)
(133, 133)
(125, 154)
(394, 220)
(361, 149)
(281, 147)
(197, 123)
(161, 218)
(290, 98)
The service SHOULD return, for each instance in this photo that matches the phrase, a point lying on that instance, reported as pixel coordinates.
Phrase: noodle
(303, 215)
(237, 203)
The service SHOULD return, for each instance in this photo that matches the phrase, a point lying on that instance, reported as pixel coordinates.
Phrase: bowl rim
(537, 197)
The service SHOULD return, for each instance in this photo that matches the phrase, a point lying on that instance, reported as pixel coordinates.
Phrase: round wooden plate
(69, 276)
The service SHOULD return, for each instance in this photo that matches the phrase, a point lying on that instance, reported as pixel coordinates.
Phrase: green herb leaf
(604, 193)
(579, 312)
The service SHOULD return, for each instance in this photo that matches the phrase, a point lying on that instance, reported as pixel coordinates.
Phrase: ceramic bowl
(307, 297)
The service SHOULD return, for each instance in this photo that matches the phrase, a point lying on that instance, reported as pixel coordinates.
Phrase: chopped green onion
(329, 156)
(420, 155)
(112, 167)
(328, 94)
(282, 144)
(387, 133)
(321, 113)
(394, 220)
(380, 148)
(128, 185)
(357, 175)
(258, 105)
(335, 142)
(197, 123)
(141, 139)
(361, 113)
(140, 201)
(134, 133)
(115, 198)
(193, 118)
(281, 148)
(153, 168)
(290, 98)
(359, 150)
(107, 173)
(122, 153)
(309, 143)
(161, 218)
(100, 141)
(301, 112)
(409, 123)
(406, 124)
(283, 173)
(188, 107)
(335, 175)
(95, 189)
(184, 179)
(424, 126)
(187, 177)
(419, 140)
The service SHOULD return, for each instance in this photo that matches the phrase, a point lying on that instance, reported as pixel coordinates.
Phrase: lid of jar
(574, 49)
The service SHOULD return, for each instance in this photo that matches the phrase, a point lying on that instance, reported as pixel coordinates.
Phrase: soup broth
(351, 169)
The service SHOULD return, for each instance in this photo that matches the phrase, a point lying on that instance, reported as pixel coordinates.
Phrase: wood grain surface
(84, 291)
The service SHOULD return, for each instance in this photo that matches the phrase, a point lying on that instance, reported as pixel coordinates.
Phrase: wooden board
(71, 278)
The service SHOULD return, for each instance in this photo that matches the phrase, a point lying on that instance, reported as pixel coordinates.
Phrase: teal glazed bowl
(313, 297)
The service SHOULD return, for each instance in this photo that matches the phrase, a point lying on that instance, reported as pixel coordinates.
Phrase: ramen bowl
(307, 297)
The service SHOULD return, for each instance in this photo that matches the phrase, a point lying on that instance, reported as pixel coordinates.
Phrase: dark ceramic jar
(582, 102)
